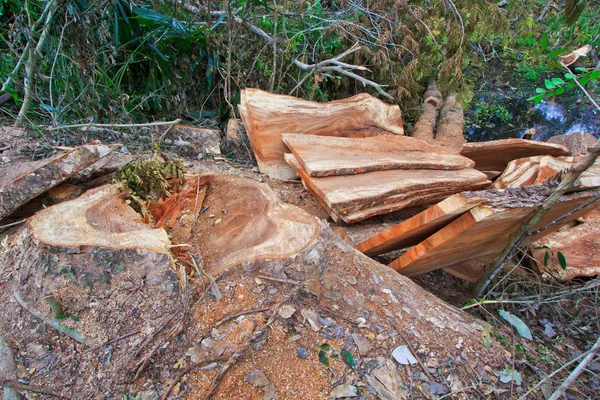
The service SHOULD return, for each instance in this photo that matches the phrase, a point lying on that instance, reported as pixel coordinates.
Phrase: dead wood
(577, 142)
(450, 127)
(266, 116)
(425, 126)
(496, 154)
(27, 181)
(332, 156)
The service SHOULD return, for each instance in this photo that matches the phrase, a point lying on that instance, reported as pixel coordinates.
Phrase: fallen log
(577, 142)
(425, 126)
(539, 169)
(496, 154)
(327, 156)
(266, 116)
(356, 197)
(484, 230)
(21, 184)
(450, 127)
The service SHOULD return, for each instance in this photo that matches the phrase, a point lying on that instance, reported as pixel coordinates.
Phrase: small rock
(271, 290)
(301, 352)
(403, 355)
(218, 221)
(257, 378)
(360, 320)
(343, 391)
(286, 311)
(211, 216)
(362, 343)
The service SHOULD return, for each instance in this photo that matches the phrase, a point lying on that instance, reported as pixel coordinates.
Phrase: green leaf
(569, 75)
(517, 323)
(540, 90)
(595, 75)
(485, 335)
(558, 81)
(549, 85)
(557, 52)
(324, 347)
(560, 90)
(573, 9)
(323, 358)
(544, 42)
(347, 356)
(546, 258)
(584, 80)
(562, 260)
(571, 85)
(582, 69)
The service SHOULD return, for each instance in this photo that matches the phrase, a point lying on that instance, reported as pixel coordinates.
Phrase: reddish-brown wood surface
(267, 116)
(328, 156)
(484, 230)
(496, 154)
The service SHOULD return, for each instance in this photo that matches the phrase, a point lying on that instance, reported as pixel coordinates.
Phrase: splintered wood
(357, 196)
(267, 116)
(487, 220)
(22, 184)
(539, 169)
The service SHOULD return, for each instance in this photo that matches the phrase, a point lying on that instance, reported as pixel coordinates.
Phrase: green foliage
(557, 86)
(487, 115)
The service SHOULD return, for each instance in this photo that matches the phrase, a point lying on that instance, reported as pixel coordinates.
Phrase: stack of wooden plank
(357, 178)
(463, 232)
(539, 169)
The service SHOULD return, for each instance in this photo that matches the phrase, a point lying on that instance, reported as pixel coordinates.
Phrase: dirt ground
(148, 337)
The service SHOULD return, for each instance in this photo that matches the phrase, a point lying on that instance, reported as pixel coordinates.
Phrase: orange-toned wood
(496, 154)
(483, 231)
(329, 156)
(266, 116)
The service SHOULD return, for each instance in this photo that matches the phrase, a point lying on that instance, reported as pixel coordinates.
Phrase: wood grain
(496, 154)
(266, 116)
(483, 231)
(332, 156)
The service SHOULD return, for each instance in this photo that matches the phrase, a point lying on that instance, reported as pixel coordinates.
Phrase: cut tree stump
(267, 116)
(354, 198)
(332, 156)
(580, 246)
(245, 221)
(425, 126)
(539, 169)
(484, 230)
(496, 154)
(26, 181)
(449, 132)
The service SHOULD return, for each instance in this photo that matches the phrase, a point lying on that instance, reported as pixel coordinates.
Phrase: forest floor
(563, 318)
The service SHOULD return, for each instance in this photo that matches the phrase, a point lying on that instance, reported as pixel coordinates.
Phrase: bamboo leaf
(562, 260)
(518, 323)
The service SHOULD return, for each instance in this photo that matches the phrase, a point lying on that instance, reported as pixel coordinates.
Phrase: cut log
(496, 154)
(327, 156)
(190, 140)
(580, 247)
(418, 228)
(99, 218)
(540, 169)
(266, 116)
(248, 223)
(450, 127)
(577, 142)
(27, 181)
(357, 197)
(484, 230)
(425, 126)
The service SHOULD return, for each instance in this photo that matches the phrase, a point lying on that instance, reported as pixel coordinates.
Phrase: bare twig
(54, 323)
(13, 224)
(92, 125)
(239, 314)
(558, 393)
(335, 65)
(280, 280)
(30, 388)
(185, 371)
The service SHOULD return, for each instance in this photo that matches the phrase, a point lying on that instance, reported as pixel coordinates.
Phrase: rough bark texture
(450, 127)
(266, 116)
(496, 154)
(577, 142)
(189, 140)
(483, 231)
(330, 156)
(24, 182)
(354, 198)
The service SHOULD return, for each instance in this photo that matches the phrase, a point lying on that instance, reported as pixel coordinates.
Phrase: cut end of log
(98, 218)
